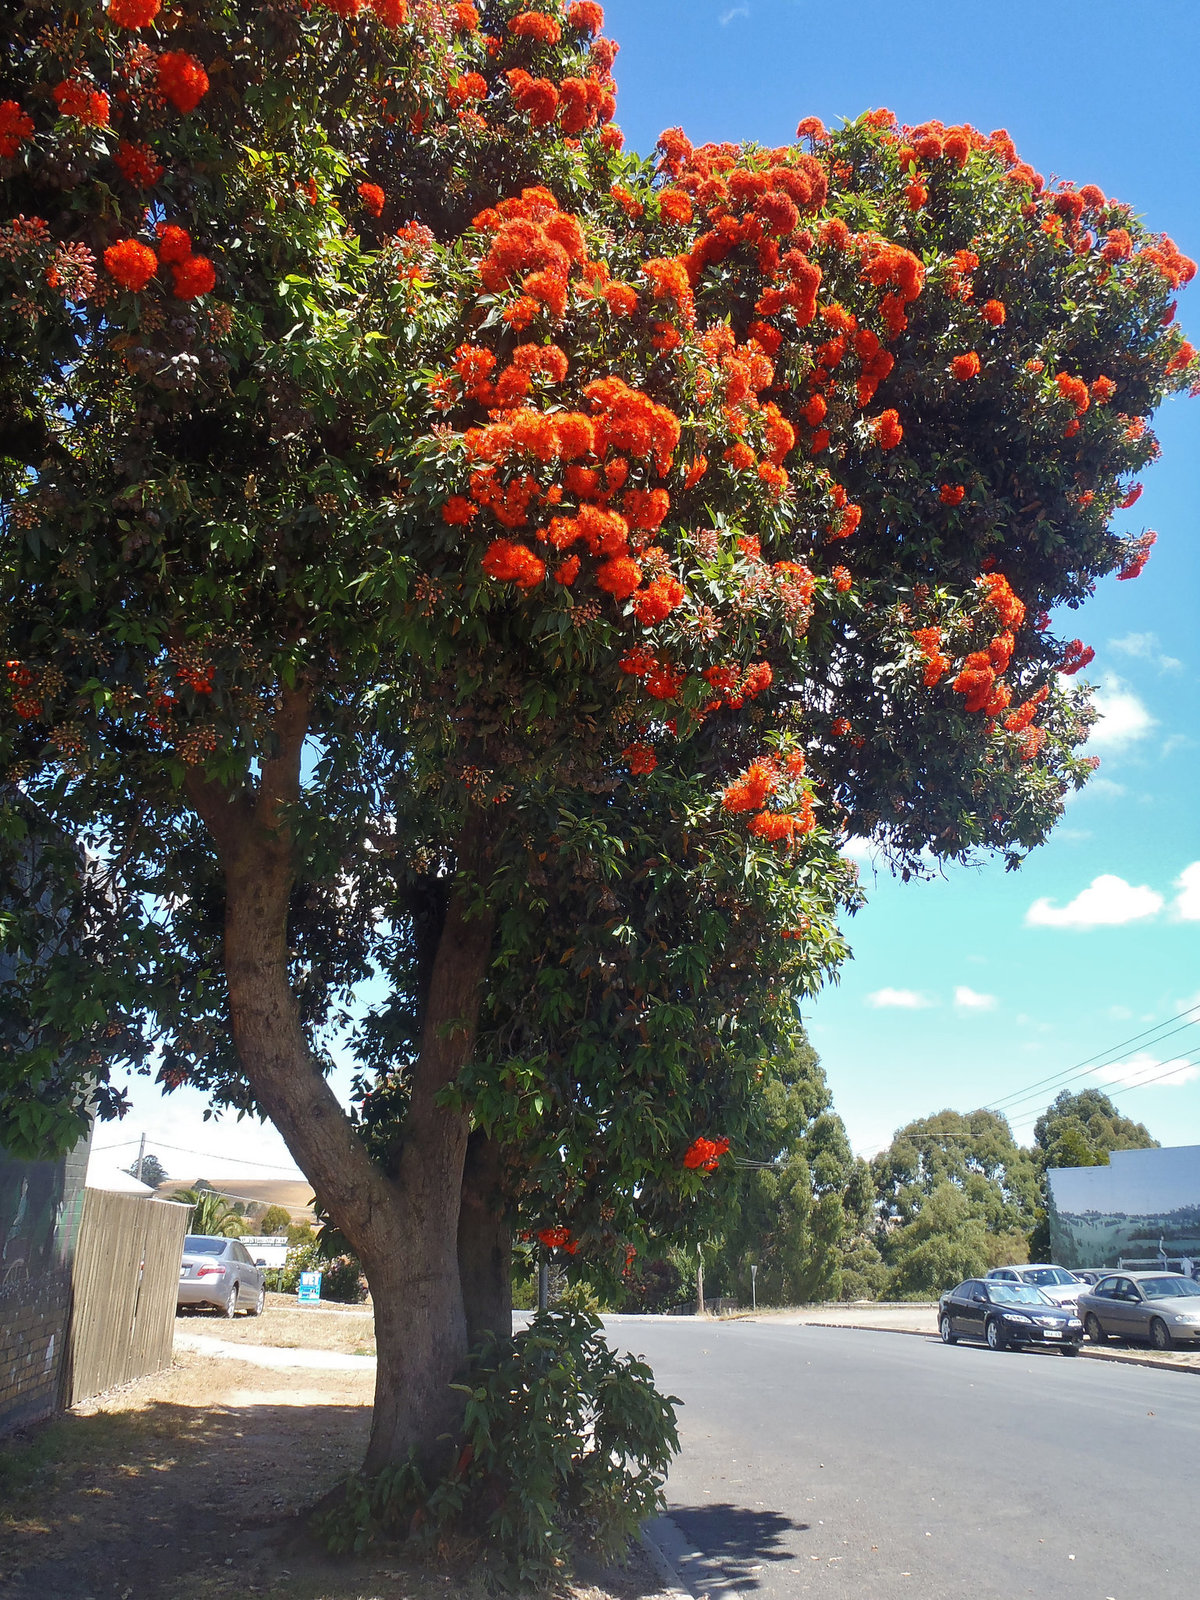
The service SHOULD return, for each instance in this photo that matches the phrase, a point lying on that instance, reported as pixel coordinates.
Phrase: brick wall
(40, 1205)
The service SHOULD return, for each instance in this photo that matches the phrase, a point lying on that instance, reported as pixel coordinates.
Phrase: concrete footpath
(921, 1317)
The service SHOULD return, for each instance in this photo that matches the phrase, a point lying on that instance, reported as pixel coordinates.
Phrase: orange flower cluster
(705, 1154)
(131, 264)
(15, 128)
(902, 273)
(182, 81)
(536, 25)
(750, 791)
(1075, 390)
(137, 165)
(734, 687)
(640, 758)
(783, 826)
(887, 430)
(657, 600)
(558, 1239)
(999, 597)
(929, 642)
(585, 15)
(513, 563)
(133, 13)
(372, 197)
(534, 244)
(978, 682)
(75, 99)
(966, 366)
(1020, 718)
(1076, 656)
(995, 312)
(952, 494)
(1135, 562)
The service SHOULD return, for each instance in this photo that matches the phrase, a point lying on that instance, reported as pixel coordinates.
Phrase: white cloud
(1123, 717)
(863, 852)
(1187, 902)
(1177, 741)
(1107, 902)
(1145, 647)
(732, 14)
(969, 1000)
(1143, 1069)
(1120, 1013)
(902, 999)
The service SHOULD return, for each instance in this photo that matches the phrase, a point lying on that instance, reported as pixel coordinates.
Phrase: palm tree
(211, 1213)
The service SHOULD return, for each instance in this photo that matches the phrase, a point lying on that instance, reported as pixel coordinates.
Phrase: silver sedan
(1161, 1307)
(219, 1272)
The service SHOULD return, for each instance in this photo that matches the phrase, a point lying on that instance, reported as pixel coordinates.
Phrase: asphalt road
(853, 1465)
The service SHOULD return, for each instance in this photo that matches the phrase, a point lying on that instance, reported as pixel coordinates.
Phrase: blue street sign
(310, 1288)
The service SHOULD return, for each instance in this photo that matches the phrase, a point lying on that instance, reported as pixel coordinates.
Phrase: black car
(1007, 1314)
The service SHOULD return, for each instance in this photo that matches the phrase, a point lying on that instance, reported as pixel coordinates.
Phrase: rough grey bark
(404, 1228)
(485, 1242)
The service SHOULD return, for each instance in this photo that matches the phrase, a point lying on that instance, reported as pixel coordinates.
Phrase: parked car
(1005, 1314)
(219, 1272)
(1162, 1307)
(1056, 1283)
(1091, 1275)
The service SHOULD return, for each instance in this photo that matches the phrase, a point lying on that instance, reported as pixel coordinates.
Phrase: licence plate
(1051, 1333)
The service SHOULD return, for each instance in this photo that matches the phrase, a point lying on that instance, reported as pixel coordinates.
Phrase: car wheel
(1091, 1326)
(947, 1332)
(230, 1308)
(256, 1309)
(1160, 1335)
(995, 1336)
(1070, 1349)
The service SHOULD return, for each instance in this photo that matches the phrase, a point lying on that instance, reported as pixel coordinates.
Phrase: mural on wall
(1143, 1204)
(39, 1215)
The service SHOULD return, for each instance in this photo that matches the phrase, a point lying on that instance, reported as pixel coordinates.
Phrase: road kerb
(656, 1536)
(1127, 1358)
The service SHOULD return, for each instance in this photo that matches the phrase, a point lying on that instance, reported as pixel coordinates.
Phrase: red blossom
(131, 263)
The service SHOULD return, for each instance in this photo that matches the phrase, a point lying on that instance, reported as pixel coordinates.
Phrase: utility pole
(543, 1280)
(753, 1288)
(700, 1310)
(137, 1171)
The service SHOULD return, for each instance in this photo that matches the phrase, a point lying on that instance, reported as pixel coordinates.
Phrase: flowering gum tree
(439, 544)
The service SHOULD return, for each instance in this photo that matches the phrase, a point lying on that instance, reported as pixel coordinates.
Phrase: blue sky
(966, 990)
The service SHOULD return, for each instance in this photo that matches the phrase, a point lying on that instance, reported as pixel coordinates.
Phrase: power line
(1012, 1103)
(1090, 1071)
(1021, 1094)
(204, 1155)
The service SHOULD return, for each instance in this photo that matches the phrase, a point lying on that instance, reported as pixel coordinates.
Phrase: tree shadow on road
(737, 1541)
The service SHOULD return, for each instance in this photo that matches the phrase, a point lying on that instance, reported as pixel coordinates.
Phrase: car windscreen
(199, 1244)
(1016, 1294)
(1169, 1288)
(1050, 1276)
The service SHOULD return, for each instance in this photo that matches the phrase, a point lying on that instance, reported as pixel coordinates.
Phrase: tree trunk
(485, 1243)
(404, 1228)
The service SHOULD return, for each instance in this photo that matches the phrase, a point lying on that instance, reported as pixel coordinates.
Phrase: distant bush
(275, 1219)
(655, 1286)
(341, 1276)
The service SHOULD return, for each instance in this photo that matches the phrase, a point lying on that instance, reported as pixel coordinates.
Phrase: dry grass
(350, 1329)
(191, 1486)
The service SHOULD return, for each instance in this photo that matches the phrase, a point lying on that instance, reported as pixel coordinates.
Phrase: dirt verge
(187, 1486)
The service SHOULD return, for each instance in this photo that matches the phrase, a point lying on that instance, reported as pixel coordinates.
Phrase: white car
(1056, 1283)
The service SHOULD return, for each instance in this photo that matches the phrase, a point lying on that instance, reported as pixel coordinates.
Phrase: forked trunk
(485, 1243)
(404, 1228)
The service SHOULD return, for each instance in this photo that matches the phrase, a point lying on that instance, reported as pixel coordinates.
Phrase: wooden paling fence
(124, 1283)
